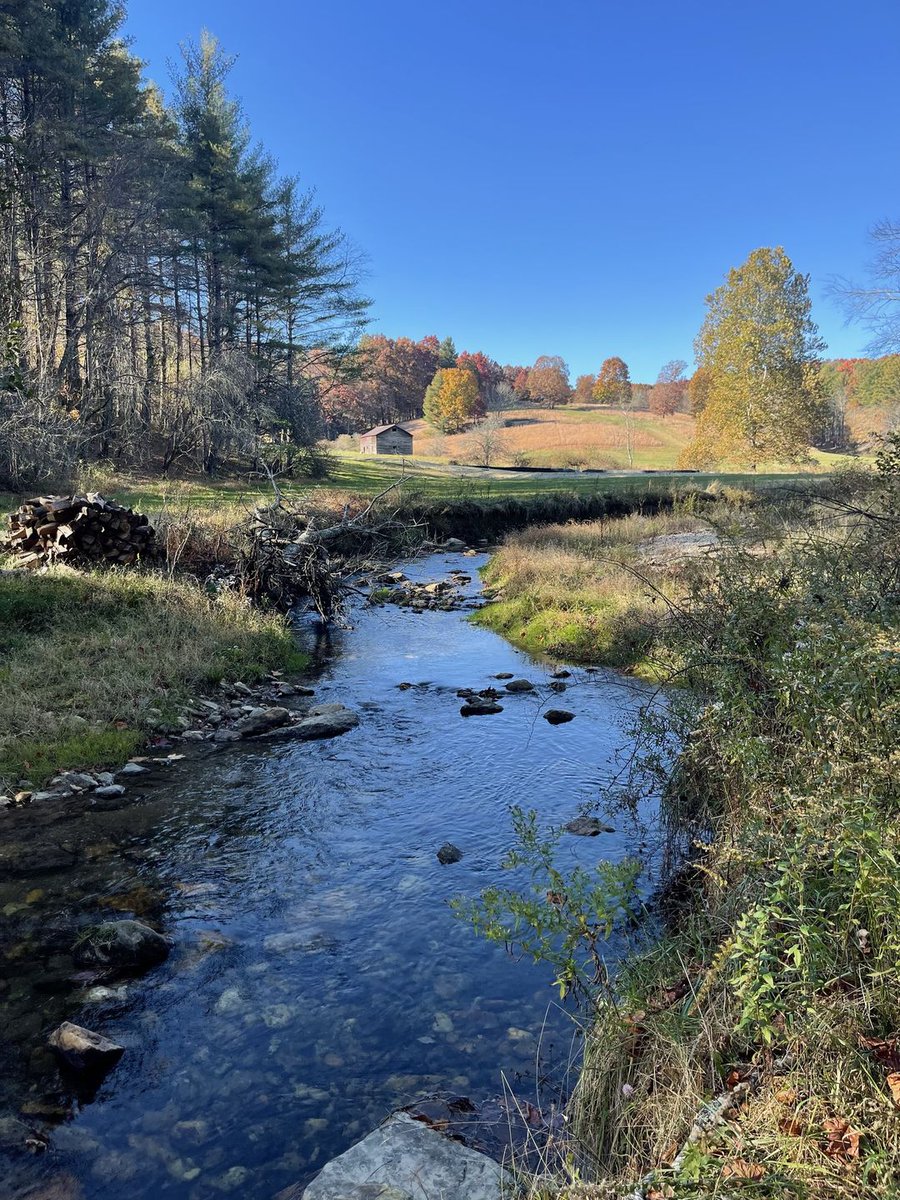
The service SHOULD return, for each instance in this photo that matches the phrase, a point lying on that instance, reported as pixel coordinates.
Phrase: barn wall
(394, 441)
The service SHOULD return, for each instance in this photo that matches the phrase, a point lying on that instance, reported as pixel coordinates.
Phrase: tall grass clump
(753, 1049)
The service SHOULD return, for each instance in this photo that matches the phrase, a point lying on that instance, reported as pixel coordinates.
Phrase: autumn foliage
(453, 399)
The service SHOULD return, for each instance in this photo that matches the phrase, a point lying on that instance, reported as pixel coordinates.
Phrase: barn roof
(383, 429)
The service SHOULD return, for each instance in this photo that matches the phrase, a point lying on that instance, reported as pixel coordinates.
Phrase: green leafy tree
(761, 349)
(452, 399)
(447, 353)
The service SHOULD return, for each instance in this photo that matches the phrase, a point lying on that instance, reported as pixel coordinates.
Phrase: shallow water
(319, 978)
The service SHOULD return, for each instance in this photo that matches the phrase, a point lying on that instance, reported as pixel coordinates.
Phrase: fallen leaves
(792, 1126)
(885, 1051)
(893, 1082)
(841, 1142)
(740, 1168)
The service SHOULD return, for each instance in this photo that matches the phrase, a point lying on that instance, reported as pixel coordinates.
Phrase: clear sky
(572, 177)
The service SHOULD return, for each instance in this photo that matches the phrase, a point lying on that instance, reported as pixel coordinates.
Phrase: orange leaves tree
(453, 399)
(670, 388)
(548, 381)
(613, 384)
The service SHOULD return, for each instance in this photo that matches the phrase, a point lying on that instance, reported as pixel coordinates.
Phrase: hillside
(588, 435)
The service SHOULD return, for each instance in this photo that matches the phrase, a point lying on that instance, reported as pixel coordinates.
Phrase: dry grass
(588, 435)
(579, 592)
(90, 664)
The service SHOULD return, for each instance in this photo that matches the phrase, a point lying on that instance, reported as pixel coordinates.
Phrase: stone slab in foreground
(406, 1160)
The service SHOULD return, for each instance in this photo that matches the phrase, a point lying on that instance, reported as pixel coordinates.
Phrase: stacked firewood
(86, 530)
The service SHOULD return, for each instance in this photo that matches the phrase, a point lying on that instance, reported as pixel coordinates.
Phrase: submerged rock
(83, 1050)
(558, 716)
(126, 944)
(404, 1159)
(587, 827)
(449, 853)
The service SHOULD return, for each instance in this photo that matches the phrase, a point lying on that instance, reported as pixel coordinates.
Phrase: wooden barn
(386, 439)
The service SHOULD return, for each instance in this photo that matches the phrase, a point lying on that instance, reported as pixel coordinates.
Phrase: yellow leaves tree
(758, 350)
(452, 399)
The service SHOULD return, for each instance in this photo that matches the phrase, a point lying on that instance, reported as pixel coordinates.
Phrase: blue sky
(569, 178)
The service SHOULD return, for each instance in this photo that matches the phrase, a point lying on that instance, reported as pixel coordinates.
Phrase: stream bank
(317, 978)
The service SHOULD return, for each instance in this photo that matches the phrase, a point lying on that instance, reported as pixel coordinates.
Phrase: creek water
(318, 978)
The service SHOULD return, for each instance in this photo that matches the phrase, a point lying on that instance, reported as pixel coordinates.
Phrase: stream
(318, 978)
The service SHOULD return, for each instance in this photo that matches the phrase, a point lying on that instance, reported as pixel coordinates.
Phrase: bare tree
(876, 305)
(486, 442)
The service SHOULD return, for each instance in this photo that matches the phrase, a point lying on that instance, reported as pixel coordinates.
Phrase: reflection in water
(319, 978)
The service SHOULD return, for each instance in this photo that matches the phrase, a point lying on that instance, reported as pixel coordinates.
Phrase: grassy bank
(91, 664)
(593, 592)
(771, 1002)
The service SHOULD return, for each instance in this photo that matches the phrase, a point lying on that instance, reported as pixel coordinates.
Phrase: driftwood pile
(289, 552)
(85, 530)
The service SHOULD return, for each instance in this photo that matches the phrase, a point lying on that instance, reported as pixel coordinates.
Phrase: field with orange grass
(575, 436)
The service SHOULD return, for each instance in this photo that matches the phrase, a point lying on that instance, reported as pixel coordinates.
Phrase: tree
(548, 381)
(761, 348)
(670, 388)
(613, 384)
(584, 388)
(452, 399)
(876, 304)
(486, 441)
(447, 353)
(698, 389)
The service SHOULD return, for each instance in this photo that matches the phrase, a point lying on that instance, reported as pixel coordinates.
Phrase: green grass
(777, 960)
(569, 591)
(90, 664)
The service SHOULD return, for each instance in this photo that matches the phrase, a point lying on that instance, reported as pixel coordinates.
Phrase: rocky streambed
(297, 853)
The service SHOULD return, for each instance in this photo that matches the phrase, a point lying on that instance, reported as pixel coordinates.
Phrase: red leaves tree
(670, 389)
(584, 388)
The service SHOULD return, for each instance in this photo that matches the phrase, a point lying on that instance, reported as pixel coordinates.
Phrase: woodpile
(86, 530)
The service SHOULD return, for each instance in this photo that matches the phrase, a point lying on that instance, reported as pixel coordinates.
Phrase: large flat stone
(408, 1161)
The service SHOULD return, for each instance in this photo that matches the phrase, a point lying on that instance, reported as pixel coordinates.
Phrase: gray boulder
(480, 708)
(520, 685)
(261, 721)
(322, 721)
(124, 944)
(405, 1159)
(84, 1050)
